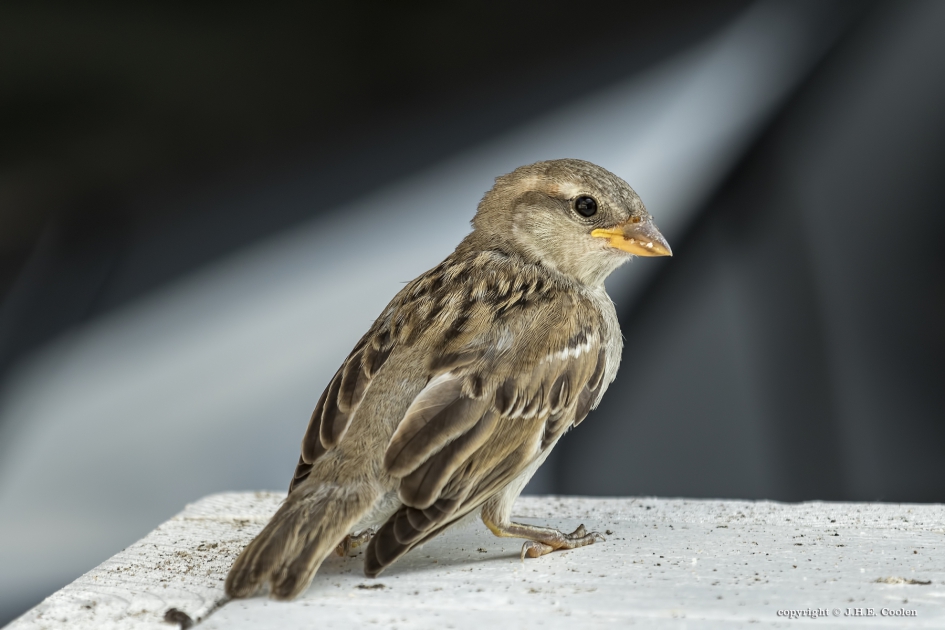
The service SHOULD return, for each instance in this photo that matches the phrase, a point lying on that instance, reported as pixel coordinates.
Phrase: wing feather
(590, 393)
(423, 486)
(437, 416)
(340, 400)
(466, 436)
(332, 414)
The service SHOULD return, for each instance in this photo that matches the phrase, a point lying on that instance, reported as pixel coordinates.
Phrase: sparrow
(464, 383)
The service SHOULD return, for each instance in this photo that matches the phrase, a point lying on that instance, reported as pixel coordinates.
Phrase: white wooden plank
(713, 564)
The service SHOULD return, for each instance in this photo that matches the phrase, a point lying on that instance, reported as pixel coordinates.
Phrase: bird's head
(571, 215)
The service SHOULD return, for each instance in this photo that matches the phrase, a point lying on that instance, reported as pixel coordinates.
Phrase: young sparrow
(465, 382)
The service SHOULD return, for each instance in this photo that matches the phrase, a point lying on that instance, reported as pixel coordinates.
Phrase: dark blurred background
(203, 206)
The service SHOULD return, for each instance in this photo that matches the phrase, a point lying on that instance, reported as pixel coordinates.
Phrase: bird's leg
(497, 512)
(353, 541)
(540, 540)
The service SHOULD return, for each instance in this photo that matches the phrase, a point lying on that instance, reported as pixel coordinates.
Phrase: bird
(464, 383)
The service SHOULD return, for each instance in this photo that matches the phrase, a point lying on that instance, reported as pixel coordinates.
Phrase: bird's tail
(289, 550)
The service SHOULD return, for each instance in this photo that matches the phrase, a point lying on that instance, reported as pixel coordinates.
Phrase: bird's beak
(640, 238)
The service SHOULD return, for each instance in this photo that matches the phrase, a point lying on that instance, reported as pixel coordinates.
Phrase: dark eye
(585, 206)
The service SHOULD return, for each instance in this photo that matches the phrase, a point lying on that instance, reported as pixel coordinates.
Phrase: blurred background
(204, 205)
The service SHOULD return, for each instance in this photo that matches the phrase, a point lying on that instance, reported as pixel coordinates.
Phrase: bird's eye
(585, 206)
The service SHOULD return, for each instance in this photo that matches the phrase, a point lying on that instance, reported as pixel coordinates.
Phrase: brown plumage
(465, 382)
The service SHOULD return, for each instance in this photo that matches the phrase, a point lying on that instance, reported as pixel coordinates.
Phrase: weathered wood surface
(666, 562)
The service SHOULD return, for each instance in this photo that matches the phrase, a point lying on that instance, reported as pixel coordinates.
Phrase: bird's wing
(340, 400)
(425, 314)
(494, 405)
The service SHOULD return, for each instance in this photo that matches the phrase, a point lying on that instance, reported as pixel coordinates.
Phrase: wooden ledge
(714, 563)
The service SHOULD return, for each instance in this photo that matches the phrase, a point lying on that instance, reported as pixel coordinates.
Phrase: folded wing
(477, 425)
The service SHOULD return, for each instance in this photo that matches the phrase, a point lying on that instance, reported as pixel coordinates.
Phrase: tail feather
(289, 550)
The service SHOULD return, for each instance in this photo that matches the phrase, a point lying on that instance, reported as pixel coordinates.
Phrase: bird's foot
(353, 541)
(555, 540)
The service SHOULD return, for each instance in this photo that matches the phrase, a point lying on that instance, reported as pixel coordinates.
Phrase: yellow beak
(640, 238)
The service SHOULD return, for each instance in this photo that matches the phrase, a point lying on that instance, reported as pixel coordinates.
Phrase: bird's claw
(353, 541)
(581, 533)
(535, 549)
(578, 538)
